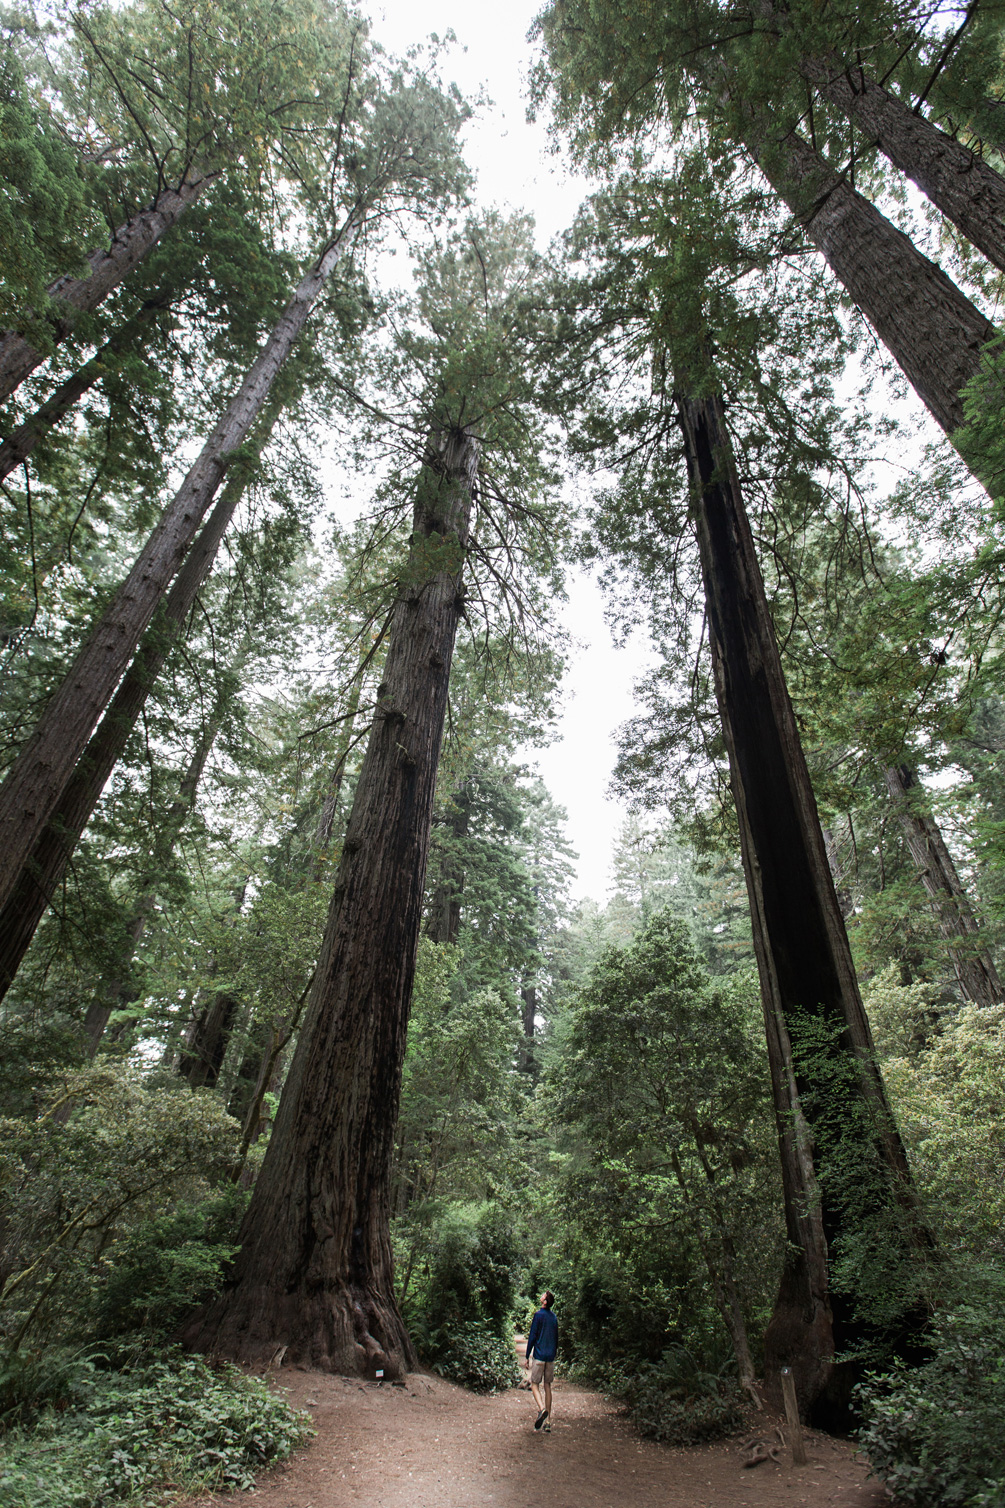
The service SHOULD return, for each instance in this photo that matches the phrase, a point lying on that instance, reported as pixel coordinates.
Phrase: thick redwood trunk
(803, 958)
(38, 778)
(932, 330)
(975, 968)
(22, 441)
(74, 296)
(966, 189)
(40, 876)
(313, 1280)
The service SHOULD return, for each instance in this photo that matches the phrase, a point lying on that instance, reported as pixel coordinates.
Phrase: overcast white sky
(516, 170)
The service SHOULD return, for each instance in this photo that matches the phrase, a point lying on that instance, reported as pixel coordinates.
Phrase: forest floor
(430, 1444)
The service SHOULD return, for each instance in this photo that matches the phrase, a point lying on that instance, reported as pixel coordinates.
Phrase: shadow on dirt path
(429, 1444)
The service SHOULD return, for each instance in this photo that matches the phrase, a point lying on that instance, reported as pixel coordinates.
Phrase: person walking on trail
(542, 1344)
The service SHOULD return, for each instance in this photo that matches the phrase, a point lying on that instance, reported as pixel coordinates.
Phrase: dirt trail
(429, 1444)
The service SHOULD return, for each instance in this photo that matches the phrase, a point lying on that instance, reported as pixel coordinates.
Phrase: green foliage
(480, 1358)
(460, 1311)
(164, 1267)
(935, 1435)
(676, 1400)
(662, 1089)
(111, 1151)
(950, 1104)
(128, 1436)
(42, 210)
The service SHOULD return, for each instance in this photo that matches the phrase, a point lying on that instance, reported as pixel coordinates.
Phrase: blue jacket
(543, 1337)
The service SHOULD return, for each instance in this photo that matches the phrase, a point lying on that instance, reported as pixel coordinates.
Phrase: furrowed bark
(932, 330)
(975, 968)
(22, 441)
(74, 296)
(313, 1280)
(803, 958)
(43, 871)
(965, 188)
(36, 781)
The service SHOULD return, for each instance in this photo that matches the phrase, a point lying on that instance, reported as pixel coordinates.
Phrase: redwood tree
(313, 1279)
(807, 977)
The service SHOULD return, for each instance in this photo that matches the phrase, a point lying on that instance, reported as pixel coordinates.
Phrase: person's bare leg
(547, 1398)
(538, 1397)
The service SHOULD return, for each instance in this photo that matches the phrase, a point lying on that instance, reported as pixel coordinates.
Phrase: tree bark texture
(36, 781)
(41, 874)
(803, 958)
(313, 1279)
(960, 184)
(73, 296)
(975, 968)
(932, 330)
(22, 441)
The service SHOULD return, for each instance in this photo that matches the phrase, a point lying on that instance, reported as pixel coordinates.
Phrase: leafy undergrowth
(935, 1435)
(674, 1400)
(479, 1358)
(135, 1436)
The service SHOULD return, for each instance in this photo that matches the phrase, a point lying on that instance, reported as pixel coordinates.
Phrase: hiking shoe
(546, 1426)
(539, 1421)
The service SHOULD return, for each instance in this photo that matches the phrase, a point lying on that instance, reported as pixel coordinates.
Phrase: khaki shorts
(542, 1371)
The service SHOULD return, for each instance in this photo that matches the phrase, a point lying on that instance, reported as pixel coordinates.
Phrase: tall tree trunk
(326, 817)
(444, 921)
(267, 1077)
(841, 887)
(803, 959)
(960, 184)
(22, 441)
(313, 1279)
(37, 780)
(202, 1056)
(116, 993)
(528, 1018)
(931, 329)
(975, 968)
(73, 296)
(40, 876)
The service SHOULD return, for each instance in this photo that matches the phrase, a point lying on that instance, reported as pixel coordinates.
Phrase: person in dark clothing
(542, 1344)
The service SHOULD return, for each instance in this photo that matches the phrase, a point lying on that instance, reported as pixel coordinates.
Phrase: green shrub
(674, 1400)
(935, 1435)
(460, 1313)
(167, 1266)
(33, 1380)
(170, 1422)
(478, 1357)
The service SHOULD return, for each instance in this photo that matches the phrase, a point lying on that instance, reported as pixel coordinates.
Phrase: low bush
(478, 1357)
(164, 1267)
(935, 1435)
(172, 1423)
(674, 1400)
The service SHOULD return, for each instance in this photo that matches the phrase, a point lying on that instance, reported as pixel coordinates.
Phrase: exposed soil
(429, 1444)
